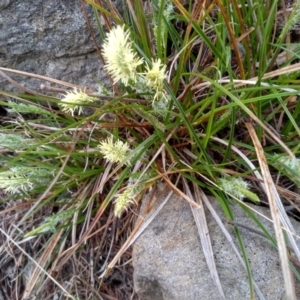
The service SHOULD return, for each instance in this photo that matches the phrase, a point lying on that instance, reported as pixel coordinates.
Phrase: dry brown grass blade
(290, 196)
(181, 8)
(201, 223)
(139, 228)
(19, 86)
(270, 187)
(132, 11)
(232, 38)
(83, 194)
(37, 265)
(35, 276)
(43, 78)
(275, 73)
(180, 193)
(18, 208)
(113, 9)
(288, 35)
(91, 31)
(284, 70)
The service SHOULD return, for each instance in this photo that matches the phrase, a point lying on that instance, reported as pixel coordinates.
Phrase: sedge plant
(189, 82)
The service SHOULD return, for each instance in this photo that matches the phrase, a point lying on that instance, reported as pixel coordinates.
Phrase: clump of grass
(185, 96)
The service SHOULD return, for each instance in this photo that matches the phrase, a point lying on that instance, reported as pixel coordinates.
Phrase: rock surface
(169, 263)
(48, 38)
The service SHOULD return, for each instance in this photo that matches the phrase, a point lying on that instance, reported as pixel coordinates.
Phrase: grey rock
(4, 3)
(48, 38)
(169, 263)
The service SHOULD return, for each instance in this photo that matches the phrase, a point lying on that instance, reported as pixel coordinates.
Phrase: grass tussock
(203, 97)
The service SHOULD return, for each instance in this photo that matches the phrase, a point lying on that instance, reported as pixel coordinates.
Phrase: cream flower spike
(123, 201)
(74, 100)
(121, 61)
(155, 76)
(115, 152)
